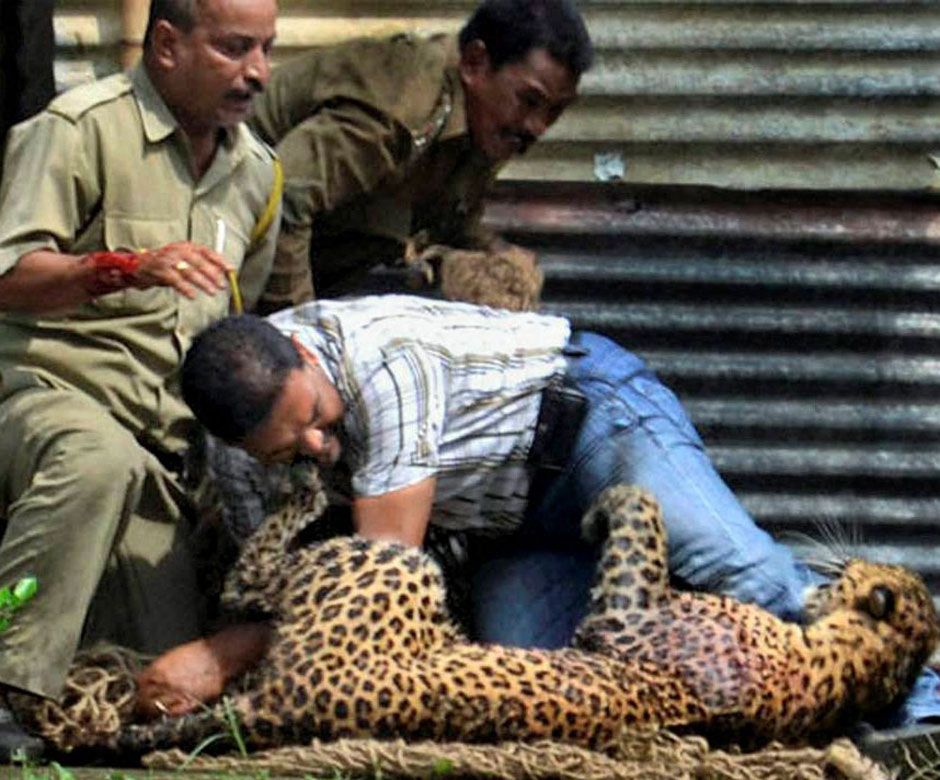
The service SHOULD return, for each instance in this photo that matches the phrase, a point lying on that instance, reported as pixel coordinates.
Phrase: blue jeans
(534, 591)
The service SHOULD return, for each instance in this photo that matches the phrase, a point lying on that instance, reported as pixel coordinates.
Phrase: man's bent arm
(402, 515)
(45, 281)
(331, 158)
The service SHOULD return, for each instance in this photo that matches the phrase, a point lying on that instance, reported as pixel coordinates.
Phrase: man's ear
(164, 44)
(306, 354)
(474, 61)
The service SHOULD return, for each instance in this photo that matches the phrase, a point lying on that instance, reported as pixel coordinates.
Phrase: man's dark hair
(510, 29)
(182, 14)
(234, 372)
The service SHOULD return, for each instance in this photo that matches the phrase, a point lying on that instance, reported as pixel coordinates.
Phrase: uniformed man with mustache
(392, 141)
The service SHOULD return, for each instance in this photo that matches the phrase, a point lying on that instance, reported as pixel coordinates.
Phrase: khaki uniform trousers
(103, 526)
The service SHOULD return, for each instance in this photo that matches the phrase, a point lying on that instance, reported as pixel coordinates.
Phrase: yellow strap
(259, 230)
(238, 307)
(270, 208)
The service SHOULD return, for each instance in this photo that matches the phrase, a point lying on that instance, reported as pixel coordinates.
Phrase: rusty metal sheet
(801, 331)
(806, 95)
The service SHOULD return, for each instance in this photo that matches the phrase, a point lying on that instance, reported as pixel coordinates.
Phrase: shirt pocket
(133, 234)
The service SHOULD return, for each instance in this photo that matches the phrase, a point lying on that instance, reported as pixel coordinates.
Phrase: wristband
(111, 271)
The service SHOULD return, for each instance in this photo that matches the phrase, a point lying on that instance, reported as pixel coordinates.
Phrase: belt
(561, 415)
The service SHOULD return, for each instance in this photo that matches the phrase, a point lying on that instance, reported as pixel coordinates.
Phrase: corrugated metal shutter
(798, 94)
(804, 338)
(802, 333)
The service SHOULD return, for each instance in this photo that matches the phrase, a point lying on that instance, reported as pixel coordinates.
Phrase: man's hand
(184, 266)
(197, 672)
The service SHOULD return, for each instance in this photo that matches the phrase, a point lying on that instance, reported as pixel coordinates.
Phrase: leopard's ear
(299, 500)
(595, 524)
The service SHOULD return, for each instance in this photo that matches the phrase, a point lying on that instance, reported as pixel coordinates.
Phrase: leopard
(364, 646)
(868, 630)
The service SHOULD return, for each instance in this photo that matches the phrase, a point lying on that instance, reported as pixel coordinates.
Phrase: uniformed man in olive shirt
(92, 428)
(384, 141)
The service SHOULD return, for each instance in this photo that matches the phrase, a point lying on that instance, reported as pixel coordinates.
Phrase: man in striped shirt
(431, 409)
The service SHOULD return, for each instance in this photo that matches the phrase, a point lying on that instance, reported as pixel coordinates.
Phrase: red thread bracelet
(112, 271)
(125, 262)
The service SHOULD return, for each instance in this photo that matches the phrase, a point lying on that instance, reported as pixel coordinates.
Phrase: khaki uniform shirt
(106, 167)
(373, 136)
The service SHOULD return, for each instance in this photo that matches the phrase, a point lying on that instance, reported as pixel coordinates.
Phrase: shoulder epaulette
(79, 100)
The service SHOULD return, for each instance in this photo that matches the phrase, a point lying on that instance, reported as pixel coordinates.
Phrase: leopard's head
(894, 602)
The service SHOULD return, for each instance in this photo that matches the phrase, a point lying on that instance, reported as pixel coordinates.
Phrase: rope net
(659, 756)
(99, 696)
(100, 692)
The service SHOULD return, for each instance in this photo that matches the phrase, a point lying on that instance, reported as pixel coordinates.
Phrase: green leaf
(441, 767)
(210, 740)
(4, 624)
(61, 773)
(232, 721)
(6, 597)
(25, 589)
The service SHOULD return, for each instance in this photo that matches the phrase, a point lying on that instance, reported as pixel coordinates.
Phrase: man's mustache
(245, 94)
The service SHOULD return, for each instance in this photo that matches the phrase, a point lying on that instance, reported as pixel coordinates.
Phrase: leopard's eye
(880, 602)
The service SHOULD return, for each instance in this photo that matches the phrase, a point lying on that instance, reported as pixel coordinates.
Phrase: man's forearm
(45, 282)
(240, 647)
(196, 673)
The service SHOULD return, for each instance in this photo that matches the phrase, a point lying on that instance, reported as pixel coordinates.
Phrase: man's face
(509, 108)
(222, 62)
(302, 422)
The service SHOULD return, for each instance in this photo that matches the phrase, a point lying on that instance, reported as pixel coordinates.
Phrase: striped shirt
(436, 389)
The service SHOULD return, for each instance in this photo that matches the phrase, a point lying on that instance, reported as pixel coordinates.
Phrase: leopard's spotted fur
(364, 647)
(869, 632)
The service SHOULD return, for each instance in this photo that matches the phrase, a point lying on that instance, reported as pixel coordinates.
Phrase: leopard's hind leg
(632, 574)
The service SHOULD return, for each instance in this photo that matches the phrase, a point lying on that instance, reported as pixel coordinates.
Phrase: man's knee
(64, 441)
(95, 459)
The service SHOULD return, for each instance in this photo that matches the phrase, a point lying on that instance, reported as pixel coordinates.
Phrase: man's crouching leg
(68, 484)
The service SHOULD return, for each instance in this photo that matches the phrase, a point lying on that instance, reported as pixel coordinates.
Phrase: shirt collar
(158, 121)
(456, 124)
